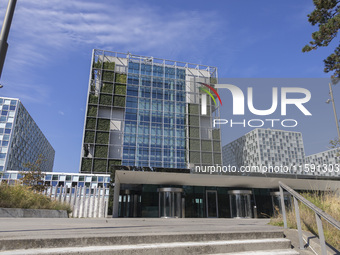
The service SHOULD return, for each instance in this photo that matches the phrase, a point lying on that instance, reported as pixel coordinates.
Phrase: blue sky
(51, 41)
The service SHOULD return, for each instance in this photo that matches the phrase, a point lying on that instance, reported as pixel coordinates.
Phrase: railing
(318, 214)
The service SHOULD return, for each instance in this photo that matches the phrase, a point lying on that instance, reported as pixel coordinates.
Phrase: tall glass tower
(145, 112)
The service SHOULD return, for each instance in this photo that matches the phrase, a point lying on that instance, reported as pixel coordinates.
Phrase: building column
(116, 192)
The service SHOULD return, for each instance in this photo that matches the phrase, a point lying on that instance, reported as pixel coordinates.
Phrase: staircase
(231, 243)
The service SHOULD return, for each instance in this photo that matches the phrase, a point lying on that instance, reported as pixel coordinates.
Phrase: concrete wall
(32, 213)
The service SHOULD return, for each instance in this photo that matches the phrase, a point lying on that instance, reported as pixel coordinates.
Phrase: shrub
(216, 134)
(19, 196)
(119, 101)
(194, 144)
(121, 78)
(92, 111)
(217, 158)
(109, 65)
(120, 89)
(194, 157)
(99, 165)
(107, 88)
(105, 99)
(93, 99)
(206, 158)
(97, 64)
(91, 123)
(103, 124)
(217, 146)
(193, 109)
(102, 138)
(101, 151)
(206, 145)
(193, 120)
(108, 76)
(86, 165)
(194, 132)
(89, 137)
(326, 201)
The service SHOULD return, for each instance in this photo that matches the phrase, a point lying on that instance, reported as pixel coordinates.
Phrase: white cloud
(61, 113)
(43, 28)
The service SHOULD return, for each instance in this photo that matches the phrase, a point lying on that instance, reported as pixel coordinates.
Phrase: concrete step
(173, 248)
(271, 252)
(35, 243)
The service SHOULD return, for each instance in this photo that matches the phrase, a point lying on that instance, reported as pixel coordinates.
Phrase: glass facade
(146, 112)
(21, 140)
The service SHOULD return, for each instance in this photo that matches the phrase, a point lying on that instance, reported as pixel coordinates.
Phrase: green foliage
(121, 78)
(102, 138)
(328, 202)
(97, 64)
(109, 65)
(113, 163)
(86, 165)
(194, 120)
(206, 145)
(91, 123)
(105, 99)
(217, 158)
(217, 146)
(33, 177)
(99, 165)
(216, 134)
(327, 16)
(213, 80)
(19, 196)
(194, 157)
(101, 151)
(103, 124)
(108, 76)
(119, 101)
(206, 158)
(194, 132)
(93, 99)
(194, 144)
(89, 137)
(92, 111)
(107, 88)
(194, 109)
(120, 89)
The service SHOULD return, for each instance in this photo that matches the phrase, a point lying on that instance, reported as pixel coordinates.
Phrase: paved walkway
(33, 228)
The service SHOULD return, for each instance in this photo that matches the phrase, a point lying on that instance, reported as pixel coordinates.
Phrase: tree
(327, 16)
(34, 177)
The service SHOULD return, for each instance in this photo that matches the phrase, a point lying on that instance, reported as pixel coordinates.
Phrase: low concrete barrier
(32, 213)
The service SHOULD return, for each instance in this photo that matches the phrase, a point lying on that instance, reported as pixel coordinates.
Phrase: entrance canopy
(187, 179)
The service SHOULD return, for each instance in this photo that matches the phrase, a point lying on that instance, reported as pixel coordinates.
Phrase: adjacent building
(326, 163)
(21, 140)
(144, 112)
(268, 148)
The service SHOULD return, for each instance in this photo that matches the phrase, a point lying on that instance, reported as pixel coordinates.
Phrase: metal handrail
(318, 215)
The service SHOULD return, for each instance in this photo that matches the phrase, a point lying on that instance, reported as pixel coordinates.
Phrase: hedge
(193, 109)
(93, 99)
(194, 132)
(194, 157)
(194, 120)
(194, 144)
(206, 145)
(217, 158)
(206, 158)
(216, 134)
(217, 146)
(108, 76)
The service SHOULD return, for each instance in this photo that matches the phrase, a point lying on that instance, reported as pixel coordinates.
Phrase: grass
(326, 201)
(18, 196)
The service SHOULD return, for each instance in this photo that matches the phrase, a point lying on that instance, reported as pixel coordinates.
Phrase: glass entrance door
(211, 203)
(170, 202)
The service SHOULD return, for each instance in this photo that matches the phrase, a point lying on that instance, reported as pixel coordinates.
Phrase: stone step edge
(11, 244)
(154, 246)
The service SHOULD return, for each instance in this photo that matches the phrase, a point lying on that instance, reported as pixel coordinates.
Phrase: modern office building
(144, 112)
(21, 140)
(59, 179)
(326, 163)
(268, 148)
